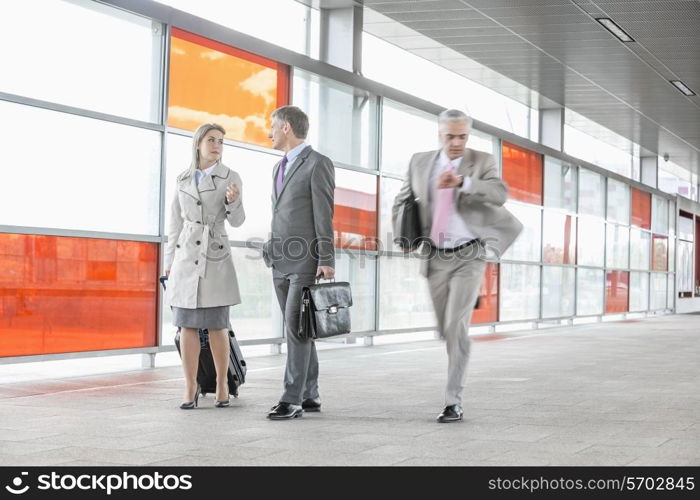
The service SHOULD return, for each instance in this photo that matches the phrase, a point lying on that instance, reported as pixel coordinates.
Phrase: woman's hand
(232, 193)
(167, 273)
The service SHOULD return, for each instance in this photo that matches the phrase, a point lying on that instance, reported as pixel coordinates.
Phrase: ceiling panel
(558, 49)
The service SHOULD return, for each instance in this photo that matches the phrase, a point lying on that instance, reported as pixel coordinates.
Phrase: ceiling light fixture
(682, 87)
(613, 28)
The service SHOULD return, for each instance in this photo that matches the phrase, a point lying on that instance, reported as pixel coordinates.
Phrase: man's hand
(327, 271)
(449, 180)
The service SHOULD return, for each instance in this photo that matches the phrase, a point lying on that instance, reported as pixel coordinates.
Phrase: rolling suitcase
(206, 373)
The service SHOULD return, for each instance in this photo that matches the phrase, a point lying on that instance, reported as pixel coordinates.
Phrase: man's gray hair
(454, 115)
(296, 118)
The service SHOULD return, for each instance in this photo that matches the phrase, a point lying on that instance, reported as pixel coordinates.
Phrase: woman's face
(211, 146)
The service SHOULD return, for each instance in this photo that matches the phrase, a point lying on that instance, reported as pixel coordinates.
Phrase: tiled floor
(603, 394)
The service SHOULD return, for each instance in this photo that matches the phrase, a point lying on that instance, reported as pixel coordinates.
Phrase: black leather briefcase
(409, 235)
(325, 310)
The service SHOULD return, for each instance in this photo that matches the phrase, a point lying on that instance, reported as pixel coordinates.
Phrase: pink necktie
(442, 210)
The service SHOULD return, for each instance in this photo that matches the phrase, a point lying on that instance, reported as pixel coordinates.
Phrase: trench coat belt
(207, 231)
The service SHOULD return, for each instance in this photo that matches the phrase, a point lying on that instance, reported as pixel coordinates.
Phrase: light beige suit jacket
(481, 206)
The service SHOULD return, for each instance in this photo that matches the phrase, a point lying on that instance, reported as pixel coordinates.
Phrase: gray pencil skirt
(203, 317)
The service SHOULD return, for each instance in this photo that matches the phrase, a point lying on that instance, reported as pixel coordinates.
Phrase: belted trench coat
(198, 253)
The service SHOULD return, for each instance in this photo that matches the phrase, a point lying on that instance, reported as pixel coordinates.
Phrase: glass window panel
(83, 54)
(591, 195)
(560, 183)
(659, 215)
(355, 215)
(685, 266)
(616, 291)
(591, 241)
(255, 169)
(639, 291)
(527, 245)
(258, 316)
(659, 261)
(671, 296)
(123, 160)
(617, 246)
(481, 141)
(213, 82)
(404, 300)
(522, 172)
(558, 291)
(486, 310)
(389, 189)
(287, 23)
(685, 228)
(658, 291)
(342, 120)
(520, 292)
(454, 90)
(641, 209)
(559, 238)
(359, 270)
(640, 249)
(405, 131)
(64, 294)
(672, 254)
(618, 202)
(589, 293)
(672, 216)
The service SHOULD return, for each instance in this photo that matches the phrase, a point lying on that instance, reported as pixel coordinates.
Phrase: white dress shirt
(198, 174)
(457, 232)
(292, 155)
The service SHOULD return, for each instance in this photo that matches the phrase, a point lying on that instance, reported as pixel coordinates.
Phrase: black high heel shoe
(223, 404)
(191, 405)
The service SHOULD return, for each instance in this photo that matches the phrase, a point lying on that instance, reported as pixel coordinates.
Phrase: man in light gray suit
(460, 202)
(300, 248)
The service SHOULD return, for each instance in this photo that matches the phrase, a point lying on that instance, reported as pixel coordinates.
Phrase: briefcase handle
(319, 277)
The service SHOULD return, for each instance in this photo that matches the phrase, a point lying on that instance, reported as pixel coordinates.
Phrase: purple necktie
(280, 174)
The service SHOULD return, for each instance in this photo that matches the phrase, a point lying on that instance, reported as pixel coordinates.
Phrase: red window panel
(659, 253)
(355, 219)
(487, 311)
(641, 209)
(64, 294)
(617, 291)
(522, 171)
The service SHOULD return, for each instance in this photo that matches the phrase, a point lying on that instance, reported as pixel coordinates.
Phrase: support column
(341, 35)
(552, 128)
(650, 167)
(148, 360)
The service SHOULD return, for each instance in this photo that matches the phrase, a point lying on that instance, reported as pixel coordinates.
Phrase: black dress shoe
(285, 411)
(311, 404)
(452, 413)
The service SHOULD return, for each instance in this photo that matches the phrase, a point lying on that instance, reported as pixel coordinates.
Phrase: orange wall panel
(487, 312)
(641, 209)
(64, 294)
(355, 219)
(617, 291)
(523, 173)
(213, 82)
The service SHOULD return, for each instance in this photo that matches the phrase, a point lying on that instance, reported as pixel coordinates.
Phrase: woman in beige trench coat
(202, 282)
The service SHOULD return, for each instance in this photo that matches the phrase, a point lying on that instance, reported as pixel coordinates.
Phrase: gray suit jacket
(481, 207)
(302, 216)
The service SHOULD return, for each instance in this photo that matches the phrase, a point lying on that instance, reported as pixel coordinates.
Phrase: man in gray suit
(300, 248)
(460, 202)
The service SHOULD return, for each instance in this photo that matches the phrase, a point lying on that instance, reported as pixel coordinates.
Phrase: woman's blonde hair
(199, 134)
